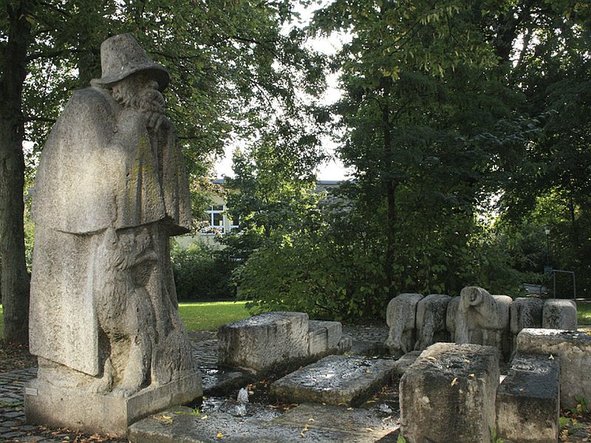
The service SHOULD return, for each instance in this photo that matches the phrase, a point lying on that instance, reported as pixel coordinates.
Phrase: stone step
(335, 380)
(310, 423)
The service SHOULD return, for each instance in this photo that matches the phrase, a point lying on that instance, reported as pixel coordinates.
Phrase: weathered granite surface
(258, 343)
(526, 312)
(323, 337)
(335, 380)
(401, 319)
(306, 422)
(560, 314)
(431, 316)
(572, 349)
(448, 394)
(528, 400)
(451, 315)
(483, 319)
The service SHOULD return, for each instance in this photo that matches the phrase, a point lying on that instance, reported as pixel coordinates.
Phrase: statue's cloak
(94, 176)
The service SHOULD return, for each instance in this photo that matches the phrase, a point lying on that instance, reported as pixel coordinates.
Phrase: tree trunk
(14, 279)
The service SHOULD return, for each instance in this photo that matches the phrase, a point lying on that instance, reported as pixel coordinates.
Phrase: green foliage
(582, 405)
(400, 439)
(302, 273)
(273, 197)
(334, 271)
(202, 272)
(210, 316)
(421, 85)
(272, 187)
(228, 61)
(583, 313)
(546, 184)
(494, 438)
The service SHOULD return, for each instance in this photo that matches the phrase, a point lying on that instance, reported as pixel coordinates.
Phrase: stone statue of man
(110, 192)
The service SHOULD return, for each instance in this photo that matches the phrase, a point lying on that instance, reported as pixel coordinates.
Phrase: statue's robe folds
(97, 177)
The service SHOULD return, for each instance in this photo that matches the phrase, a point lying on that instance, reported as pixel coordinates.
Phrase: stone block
(345, 343)
(71, 408)
(335, 380)
(401, 319)
(526, 312)
(528, 400)
(405, 362)
(430, 321)
(336, 424)
(559, 314)
(448, 394)
(573, 351)
(260, 342)
(450, 317)
(323, 336)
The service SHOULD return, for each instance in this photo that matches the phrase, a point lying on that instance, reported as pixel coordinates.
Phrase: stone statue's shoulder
(91, 98)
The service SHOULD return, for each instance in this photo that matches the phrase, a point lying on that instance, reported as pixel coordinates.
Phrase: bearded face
(139, 91)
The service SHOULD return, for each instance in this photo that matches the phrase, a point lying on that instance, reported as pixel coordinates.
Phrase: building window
(215, 218)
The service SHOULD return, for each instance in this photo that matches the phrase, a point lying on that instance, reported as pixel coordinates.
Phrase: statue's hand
(157, 120)
(151, 100)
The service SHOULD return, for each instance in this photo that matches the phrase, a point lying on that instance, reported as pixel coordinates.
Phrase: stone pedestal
(448, 394)
(258, 343)
(55, 406)
(528, 403)
(572, 349)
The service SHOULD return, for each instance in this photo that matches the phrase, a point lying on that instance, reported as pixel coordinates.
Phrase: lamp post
(547, 267)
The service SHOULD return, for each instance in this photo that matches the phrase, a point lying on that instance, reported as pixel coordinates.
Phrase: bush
(202, 272)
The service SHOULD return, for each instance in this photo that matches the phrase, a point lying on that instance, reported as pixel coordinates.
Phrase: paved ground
(12, 417)
(384, 407)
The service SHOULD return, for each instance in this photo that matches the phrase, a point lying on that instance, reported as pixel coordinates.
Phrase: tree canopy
(465, 126)
(230, 62)
(465, 123)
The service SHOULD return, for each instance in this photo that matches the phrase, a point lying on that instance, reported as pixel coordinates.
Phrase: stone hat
(121, 56)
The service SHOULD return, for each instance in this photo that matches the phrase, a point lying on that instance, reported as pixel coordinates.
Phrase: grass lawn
(198, 316)
(584, 313)
(208, 316)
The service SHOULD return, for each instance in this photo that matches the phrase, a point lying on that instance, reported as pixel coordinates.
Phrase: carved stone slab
(307, 422)
(528, 403)
(335, 380)
(572, 349)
